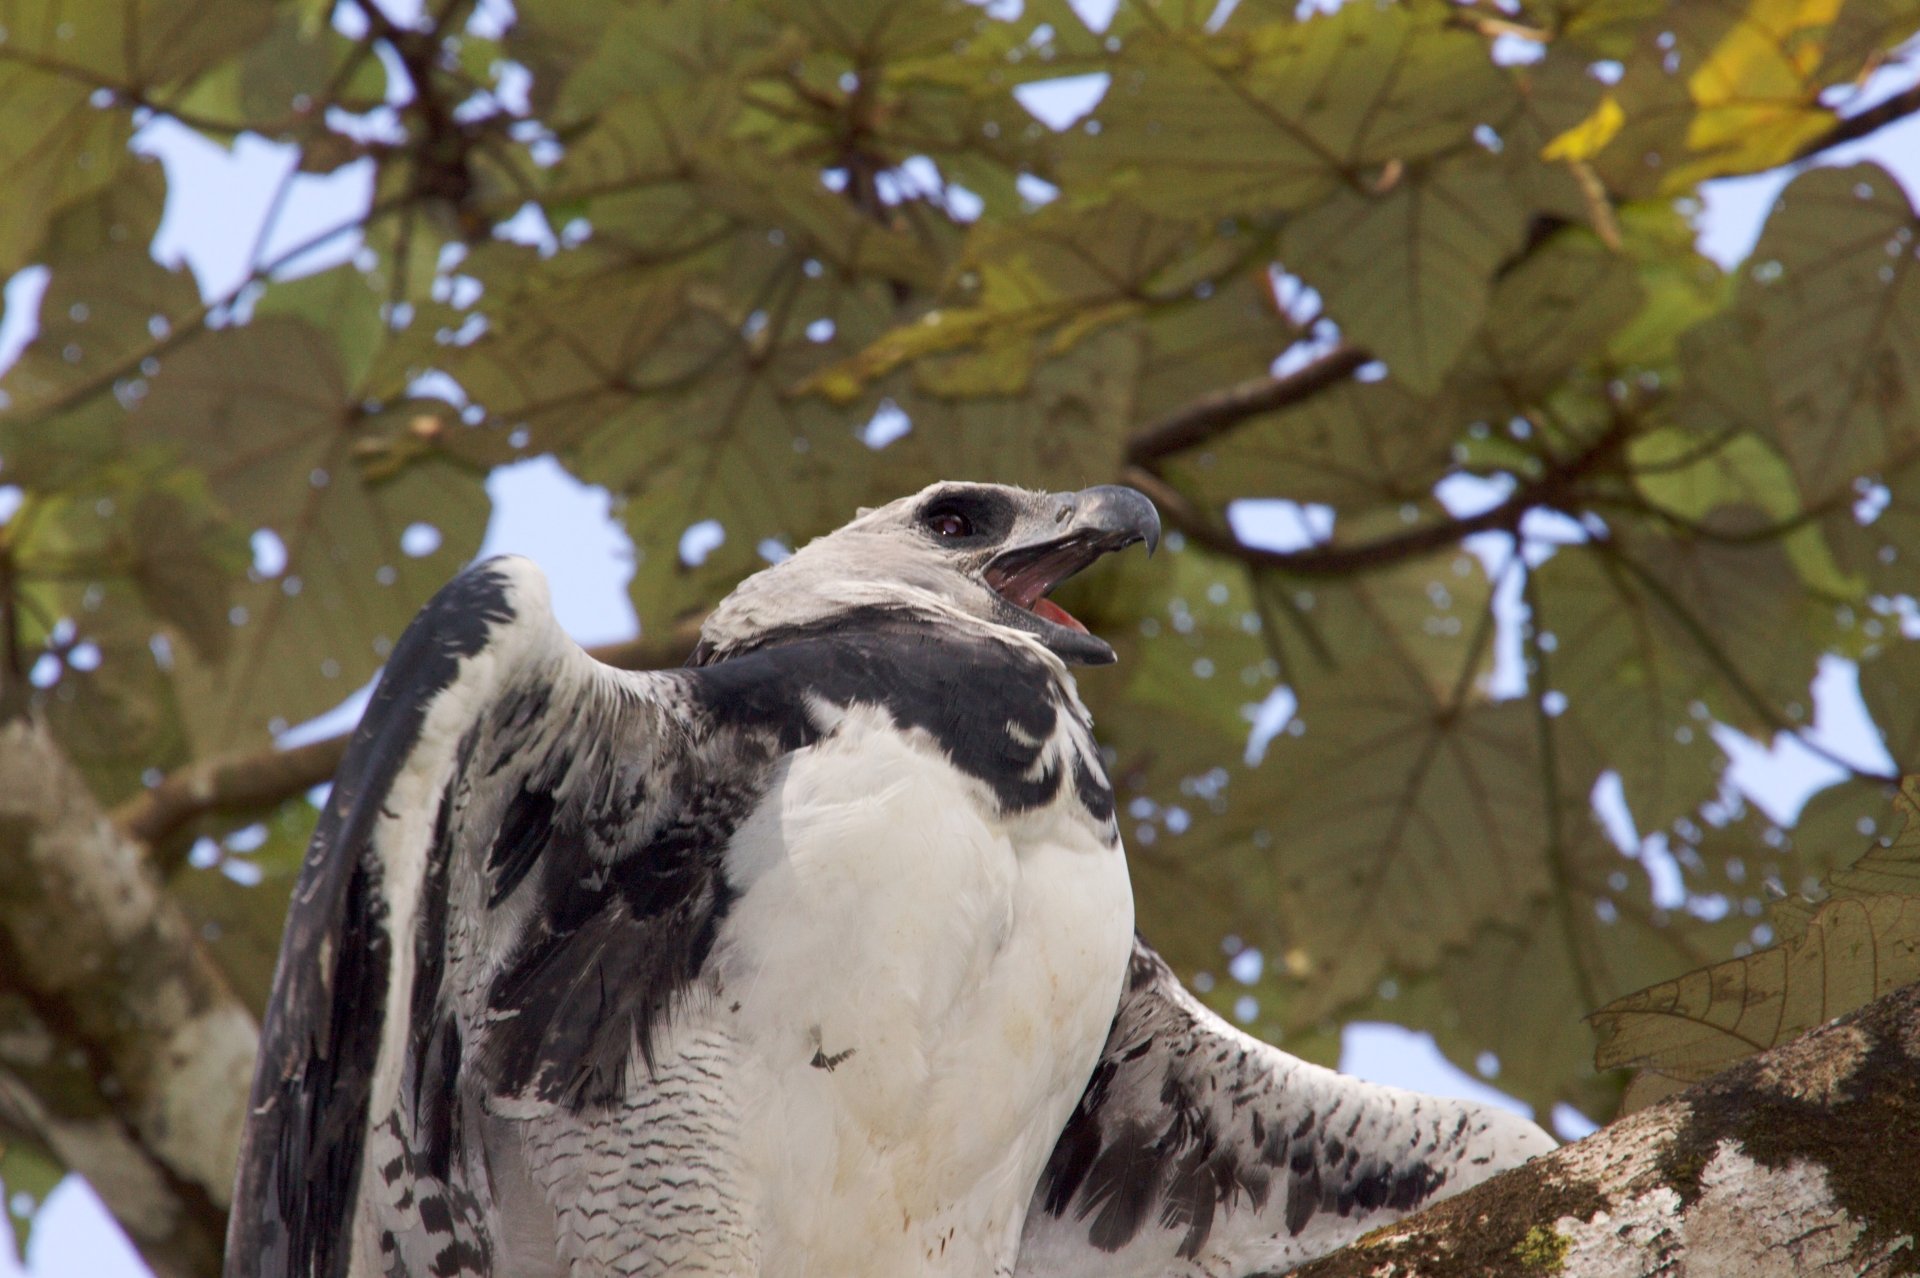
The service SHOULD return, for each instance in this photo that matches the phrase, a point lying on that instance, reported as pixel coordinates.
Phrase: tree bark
(1803, 1161)
(106, 978)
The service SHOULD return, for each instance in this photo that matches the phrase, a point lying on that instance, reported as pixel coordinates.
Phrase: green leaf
(1247, 120)
(238, 897)
(1861, 943)
(1193, 667)
(279, 81)
(1070, 423)
(1407, 271)
(1650, 643)
(27, 1176)
(1516, 990)
(684, 402)
(1358, 446)
(1400, 812)
(1708, 482)
(185, 558)
(1555, 311)
(1704, 91)
(1875, 539)
(120, 719)
(58, 144)
(1033, 290)
(1833, 288)
(1680, 287)
(1889, 677)
(107, 304)
(266, 410)
(130, 45)
(339, 301)
(44, 116)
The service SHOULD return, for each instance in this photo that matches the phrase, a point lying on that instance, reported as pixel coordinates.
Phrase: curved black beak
(1117, 515)
(1084, 526)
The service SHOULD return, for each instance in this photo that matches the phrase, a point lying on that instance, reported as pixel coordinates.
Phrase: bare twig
(1211, 416)
(13, 692)
(1872, 120)
(1559, 480)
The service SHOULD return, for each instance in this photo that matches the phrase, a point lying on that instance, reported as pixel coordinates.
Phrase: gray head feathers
(953, 553)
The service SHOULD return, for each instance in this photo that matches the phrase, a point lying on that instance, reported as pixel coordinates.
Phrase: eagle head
(952, 553)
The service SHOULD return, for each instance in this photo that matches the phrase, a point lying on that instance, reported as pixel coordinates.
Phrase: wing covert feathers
(1198, 1150)
(387, 965)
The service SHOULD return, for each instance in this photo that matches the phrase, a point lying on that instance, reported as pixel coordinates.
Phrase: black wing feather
(301, 1152)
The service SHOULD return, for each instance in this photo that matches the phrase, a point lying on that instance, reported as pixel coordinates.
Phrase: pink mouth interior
(1057, 615)
(1024, 587)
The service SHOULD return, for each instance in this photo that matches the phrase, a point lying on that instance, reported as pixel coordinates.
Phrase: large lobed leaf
(1860, 942)
(1833, 289)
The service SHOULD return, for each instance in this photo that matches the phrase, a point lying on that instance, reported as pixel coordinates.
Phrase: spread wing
(1197, 1149)
(515, 877)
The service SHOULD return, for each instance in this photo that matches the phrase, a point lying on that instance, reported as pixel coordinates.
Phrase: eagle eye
(967, 515)
(950, 523)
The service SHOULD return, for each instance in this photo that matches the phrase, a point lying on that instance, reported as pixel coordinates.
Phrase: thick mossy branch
(112, 969)
(1798, 1161)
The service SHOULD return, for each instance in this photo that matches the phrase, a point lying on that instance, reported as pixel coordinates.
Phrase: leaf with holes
(1406, 271)
(1861, 943)
(1034, 289)
(238, 901)
(1649, 644)
(1247, 119)
(267, 412)
(1833, 288)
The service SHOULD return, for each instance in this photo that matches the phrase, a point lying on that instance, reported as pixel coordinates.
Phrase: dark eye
(950, 523)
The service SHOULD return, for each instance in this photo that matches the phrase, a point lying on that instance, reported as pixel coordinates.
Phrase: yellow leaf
(1753, 91)
(1589, 137)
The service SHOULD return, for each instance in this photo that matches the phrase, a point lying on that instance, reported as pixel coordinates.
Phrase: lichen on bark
(1798, 1162)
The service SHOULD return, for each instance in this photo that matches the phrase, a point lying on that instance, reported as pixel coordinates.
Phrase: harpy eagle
(815, 957)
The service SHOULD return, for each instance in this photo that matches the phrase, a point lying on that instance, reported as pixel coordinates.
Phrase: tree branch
(1872, 120)
(269, 777)
(1797, 1161)
(107, 962)
(1555, 485)
(1211, 416)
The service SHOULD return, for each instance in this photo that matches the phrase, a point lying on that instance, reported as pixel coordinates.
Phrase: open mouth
(1086, 525)
(1024, 577)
